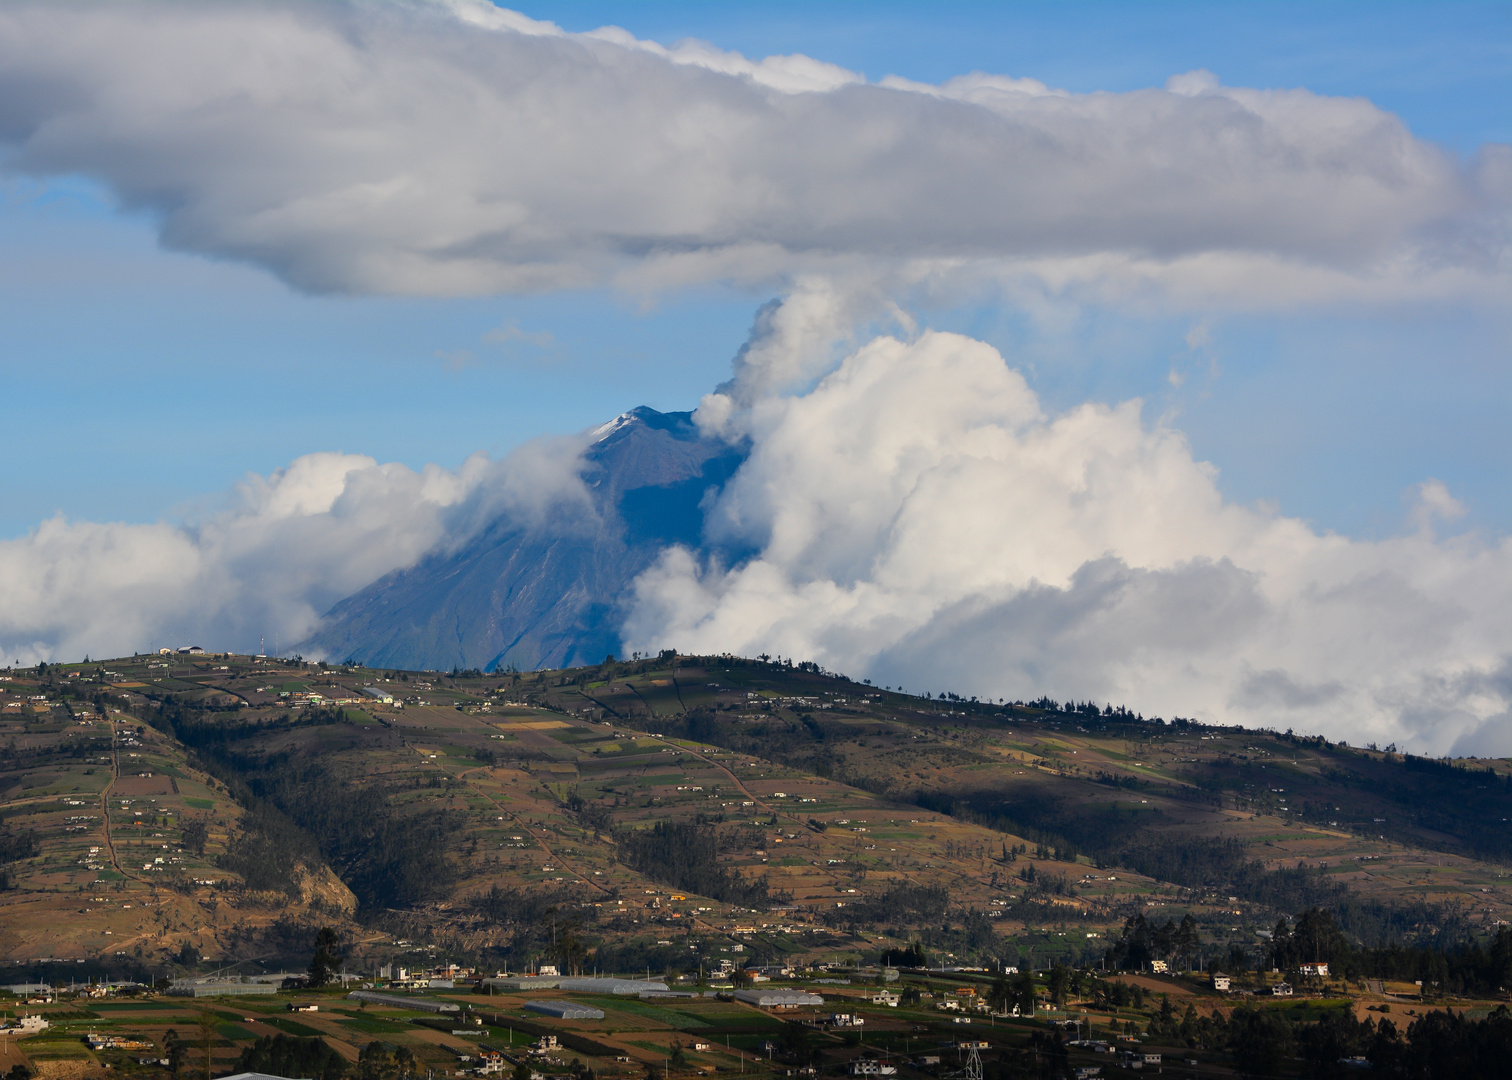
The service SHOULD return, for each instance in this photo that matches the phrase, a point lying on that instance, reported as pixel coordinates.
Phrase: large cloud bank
(915, 517)
(442, 148)
(920, 520)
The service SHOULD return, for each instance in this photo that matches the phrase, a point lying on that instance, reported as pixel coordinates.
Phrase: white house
(27, 1025)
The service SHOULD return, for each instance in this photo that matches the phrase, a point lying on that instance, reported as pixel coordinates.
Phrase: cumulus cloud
(284, 549)
(918, 518)
(444, 148)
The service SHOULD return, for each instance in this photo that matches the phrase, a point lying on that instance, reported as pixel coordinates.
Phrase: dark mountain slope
(542, 596)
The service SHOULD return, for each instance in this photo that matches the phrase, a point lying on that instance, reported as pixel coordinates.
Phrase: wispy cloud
(510, 333)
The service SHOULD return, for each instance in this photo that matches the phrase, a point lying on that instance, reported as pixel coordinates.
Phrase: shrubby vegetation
(386, 857)
(517, 907)
(300, 813)
(902, 902)
(268, 850)
(686, 856)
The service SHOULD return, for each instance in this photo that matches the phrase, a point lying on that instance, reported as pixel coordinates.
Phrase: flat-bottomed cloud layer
(456, 148)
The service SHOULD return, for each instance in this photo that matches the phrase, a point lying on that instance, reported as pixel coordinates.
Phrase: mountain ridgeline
(531, 595)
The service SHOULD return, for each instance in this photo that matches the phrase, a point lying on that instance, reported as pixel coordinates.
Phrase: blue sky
(142, 382)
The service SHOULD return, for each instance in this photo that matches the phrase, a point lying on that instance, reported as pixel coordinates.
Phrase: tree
(325, 961)
(207, 1022)
(1000, 995)
(1260, 1040)
(196, 832)
(374, 1063)
(797, 1041)
(1023, 993)
(1318, 937)
(404, 1063)
(174, 1049)
(1060, 983)
(1163, 1024)
(1281, 944)
(1191, 1026)
(1187, 939)
(1336, 1035)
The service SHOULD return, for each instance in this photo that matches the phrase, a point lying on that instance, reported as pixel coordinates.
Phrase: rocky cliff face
(542, 595)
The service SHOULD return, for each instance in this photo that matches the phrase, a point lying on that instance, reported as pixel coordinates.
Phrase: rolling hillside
(161, 810)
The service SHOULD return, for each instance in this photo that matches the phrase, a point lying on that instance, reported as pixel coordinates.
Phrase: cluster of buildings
(1225, 983)
(492, 1062)
(1127, 1058)
(965, 999)
(115, 1042)
(439, 977)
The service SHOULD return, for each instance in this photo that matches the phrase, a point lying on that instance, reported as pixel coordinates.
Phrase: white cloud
(1435, 503)
(446, 148)
(920, 520)
(272, 562)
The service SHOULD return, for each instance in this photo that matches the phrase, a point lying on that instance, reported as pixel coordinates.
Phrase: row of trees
(1466, 966)
(1265, 1042)
(1142, 940)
